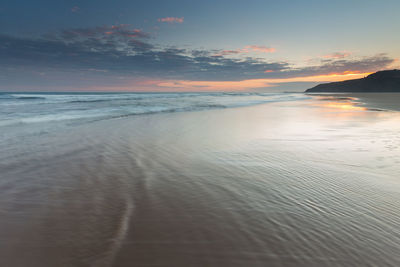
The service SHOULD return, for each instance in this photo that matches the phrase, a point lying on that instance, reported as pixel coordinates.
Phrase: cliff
(381, 81)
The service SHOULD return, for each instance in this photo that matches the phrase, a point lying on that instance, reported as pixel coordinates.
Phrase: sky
(219, 45)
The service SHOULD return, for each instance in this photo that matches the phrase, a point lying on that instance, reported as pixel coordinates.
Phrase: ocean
(23, 108)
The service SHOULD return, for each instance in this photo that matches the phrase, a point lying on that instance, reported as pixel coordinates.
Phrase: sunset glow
(210, 46)
(253, 83)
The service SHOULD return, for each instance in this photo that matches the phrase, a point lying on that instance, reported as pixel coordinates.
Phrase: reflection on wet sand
(340, 103)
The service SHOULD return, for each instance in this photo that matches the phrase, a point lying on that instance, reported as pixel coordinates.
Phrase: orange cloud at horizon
(197, 86)
(253, 83)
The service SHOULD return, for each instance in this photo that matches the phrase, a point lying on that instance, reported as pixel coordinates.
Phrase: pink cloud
(395, 64)
(171, 20)
(75, 9)
(120, 26)
(337, 55)
(123, 30)
(260, 48)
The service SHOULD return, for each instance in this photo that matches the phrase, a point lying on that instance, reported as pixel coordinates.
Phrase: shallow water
(300, 183)
(24, 108)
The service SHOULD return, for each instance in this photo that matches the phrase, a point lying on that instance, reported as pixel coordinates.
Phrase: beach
(299, 181)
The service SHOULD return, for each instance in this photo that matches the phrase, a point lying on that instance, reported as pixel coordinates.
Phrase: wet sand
(384, 101)
(301, 183)
(379, 101)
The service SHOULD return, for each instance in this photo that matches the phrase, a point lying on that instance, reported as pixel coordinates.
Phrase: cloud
(129, 33)
(246, 49)
(171, 19)
(228, 52)
(110, 48)
(121, 55)
(260, 48)
(250, 83)
(75, 9)
(121, 30)
(337, 55)
(334, 66)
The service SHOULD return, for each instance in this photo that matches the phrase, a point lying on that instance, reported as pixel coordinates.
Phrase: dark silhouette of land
(378, 82)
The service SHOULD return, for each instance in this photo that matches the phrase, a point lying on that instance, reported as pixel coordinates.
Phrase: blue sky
(193, 45)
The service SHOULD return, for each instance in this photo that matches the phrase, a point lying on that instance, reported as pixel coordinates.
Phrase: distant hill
(381, 81)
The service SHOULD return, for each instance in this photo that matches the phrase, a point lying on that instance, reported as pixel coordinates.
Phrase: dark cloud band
(120, 51)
